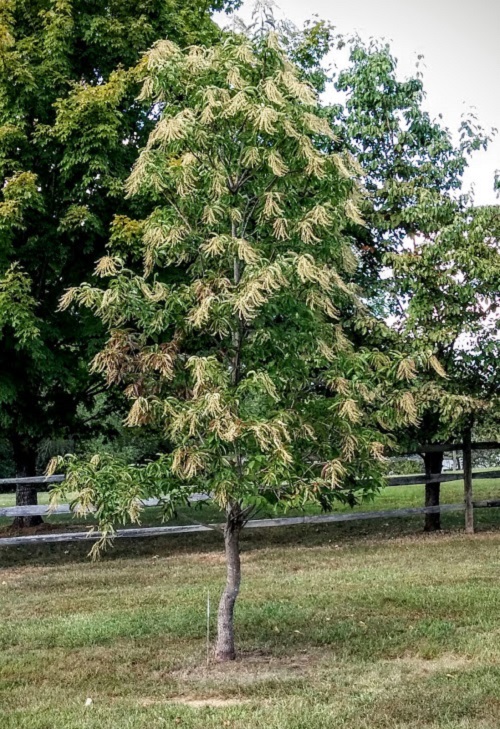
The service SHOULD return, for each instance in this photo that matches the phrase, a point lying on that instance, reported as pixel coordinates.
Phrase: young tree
(70, 131)
(233, 337)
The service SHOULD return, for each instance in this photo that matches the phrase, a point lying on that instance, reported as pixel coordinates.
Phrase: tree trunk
(224, 648)
(26, 493)
(433, 464)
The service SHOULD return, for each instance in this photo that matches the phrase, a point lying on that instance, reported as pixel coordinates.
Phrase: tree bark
(433, 464)
(224, 648)
(26, 493)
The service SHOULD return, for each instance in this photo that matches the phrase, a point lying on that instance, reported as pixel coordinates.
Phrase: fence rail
(163, 531)
(47, 510)
(414, 480)
(489, 445)
(32, 480)
(407, 480)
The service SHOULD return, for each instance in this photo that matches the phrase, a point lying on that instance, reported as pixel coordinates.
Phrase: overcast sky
(461, 44)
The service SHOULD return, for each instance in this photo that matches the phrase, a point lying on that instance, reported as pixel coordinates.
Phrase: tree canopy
(70, 130)
(430, 261)
(413, 170)
(233, 339)
(429, 252)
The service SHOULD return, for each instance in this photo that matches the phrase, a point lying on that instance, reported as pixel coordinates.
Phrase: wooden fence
(163, 531)
(468, 505)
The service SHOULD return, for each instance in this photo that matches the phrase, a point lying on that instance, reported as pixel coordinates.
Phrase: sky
(460, 42)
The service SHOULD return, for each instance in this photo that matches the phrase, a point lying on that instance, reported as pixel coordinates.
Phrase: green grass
(360, 625)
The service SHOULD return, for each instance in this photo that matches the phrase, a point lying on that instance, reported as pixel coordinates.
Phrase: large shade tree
(70, 130)
(233, 337)
(413, 169)
(429, 258)
(448, 288)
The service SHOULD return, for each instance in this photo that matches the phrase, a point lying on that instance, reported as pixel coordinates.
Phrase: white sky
(461, 44)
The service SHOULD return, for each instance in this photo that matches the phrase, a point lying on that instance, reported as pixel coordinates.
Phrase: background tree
(70, 130)
(448, 287)
(422, 246)
(233, 337)
(413, 170)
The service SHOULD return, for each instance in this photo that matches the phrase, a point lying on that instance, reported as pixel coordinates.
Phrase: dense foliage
(70, 130)
(413, 170)
(233, 338)
(430, 257)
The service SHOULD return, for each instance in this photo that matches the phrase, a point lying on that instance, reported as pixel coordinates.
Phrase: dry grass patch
(206, 703)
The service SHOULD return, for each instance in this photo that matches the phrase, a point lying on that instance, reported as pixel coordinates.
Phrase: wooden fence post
(469, 507)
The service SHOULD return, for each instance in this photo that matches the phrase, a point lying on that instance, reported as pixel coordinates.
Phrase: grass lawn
(363, 625)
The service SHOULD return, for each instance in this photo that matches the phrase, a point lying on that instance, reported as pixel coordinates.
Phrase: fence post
(469, 507)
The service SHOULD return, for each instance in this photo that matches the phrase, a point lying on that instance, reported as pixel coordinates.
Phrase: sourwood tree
(233, 337)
